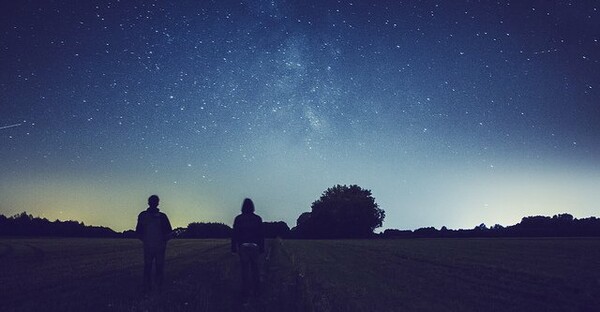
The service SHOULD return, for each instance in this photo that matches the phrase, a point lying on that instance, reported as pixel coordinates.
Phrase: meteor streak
(10, 126)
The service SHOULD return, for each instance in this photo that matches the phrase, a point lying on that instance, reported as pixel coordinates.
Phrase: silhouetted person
(154, 229)
(248, 241)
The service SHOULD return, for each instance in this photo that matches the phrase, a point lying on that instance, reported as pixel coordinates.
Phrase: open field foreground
(375, 275)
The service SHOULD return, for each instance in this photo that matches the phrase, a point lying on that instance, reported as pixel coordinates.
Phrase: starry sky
(452, 113)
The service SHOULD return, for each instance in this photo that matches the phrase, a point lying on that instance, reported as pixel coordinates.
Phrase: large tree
(342, 212)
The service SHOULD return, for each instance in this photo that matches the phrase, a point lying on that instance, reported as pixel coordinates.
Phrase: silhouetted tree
(535, 226)
(302, 228)
(589, 226)
(427, 232)
(497, 227)
(3, 225)
(394, 233)
(276, 229)
(129, 234)
(179, 232)
(481, 227)
(342, 212)
(24, 224)
(302, 218)
(207, 230)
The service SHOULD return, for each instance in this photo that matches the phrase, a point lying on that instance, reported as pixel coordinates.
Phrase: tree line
(24, 224)
(220, 230)
(342, 212)
(561, 225)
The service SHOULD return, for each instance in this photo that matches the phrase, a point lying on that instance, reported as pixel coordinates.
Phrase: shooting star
(10, 126)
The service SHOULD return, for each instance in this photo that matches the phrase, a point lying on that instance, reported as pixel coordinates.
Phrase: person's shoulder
(142, 214)
(257, 217)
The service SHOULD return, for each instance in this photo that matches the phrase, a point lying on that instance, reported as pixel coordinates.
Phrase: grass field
(353, 275)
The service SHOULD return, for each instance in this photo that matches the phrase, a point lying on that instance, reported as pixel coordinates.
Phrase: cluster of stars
(204, 87)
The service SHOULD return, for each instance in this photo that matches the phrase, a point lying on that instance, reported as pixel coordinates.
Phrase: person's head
(248, 206)
(153, 201)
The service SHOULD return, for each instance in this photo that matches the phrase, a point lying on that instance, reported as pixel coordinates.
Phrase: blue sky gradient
(452, 112)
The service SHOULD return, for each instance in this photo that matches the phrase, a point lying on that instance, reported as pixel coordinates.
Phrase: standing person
(248, 241)
(154, 229)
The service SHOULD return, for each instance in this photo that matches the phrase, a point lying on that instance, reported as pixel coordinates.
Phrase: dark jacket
(154, 229)
(247, 228)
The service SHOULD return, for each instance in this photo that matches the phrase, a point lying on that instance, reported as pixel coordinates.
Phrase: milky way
(452, 112)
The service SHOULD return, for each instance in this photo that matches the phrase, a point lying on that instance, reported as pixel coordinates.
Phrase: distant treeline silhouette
(220, 230)
(24, 224)
(561, 225)
(195, 230)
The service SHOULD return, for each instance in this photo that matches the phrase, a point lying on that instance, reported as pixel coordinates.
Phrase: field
(353, 275)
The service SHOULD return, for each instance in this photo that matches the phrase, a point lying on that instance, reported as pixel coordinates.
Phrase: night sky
(452, 112)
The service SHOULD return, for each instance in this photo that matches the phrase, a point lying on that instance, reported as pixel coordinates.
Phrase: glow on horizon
(452, 198)
(450, 119)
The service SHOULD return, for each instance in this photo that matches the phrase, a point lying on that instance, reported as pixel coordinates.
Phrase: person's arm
(167, 229)
(261, 236)
(139, 228)
(234, 236)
